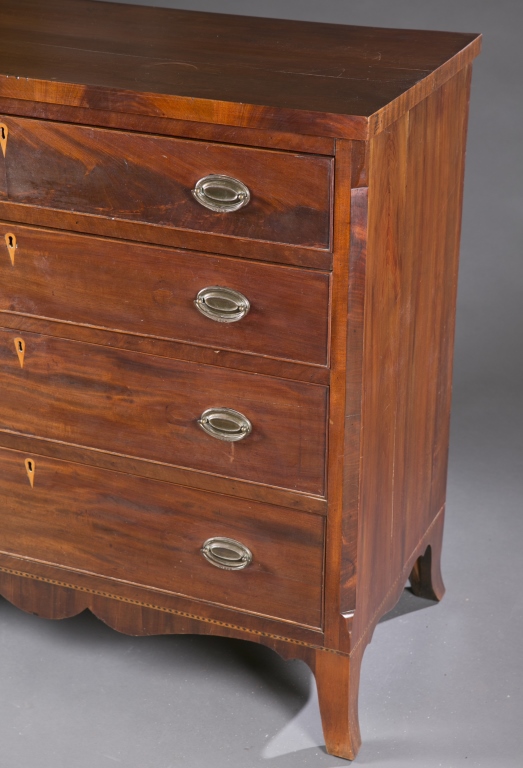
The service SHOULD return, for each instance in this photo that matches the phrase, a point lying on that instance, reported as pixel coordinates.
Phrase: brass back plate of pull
(10, 241)
(224, 305)
(225, 424)
(221, 194)
(4, 130)
(228, 554)
(20, 350)
(30, 469)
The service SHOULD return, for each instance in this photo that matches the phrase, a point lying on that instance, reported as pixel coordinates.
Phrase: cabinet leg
(337, 680)
(425, 578)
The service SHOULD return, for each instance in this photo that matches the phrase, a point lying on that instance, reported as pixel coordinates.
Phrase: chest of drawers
(228, 262)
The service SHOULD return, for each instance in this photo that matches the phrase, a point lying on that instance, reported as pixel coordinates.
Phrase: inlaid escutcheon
(4, 130)
(10, 241)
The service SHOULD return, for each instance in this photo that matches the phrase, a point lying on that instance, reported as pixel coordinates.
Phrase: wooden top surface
(323, 79)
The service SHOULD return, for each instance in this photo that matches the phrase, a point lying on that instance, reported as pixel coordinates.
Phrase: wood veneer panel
(57, 593)
(147, 407)
(152, 233)
(156, 470)
(346, 392)
(136, 530)
(181, 351)
(456, 122)
(436, 152)
(337, 390)
(416, 178)
(252, 137)
(386, 208)
(150, 291)
(353, 405)
(261, 73)
(142, 178)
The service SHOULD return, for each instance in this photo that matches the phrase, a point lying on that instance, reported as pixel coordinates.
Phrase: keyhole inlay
(3, 137)
(10, 241)
(30, 469)
(20, 350)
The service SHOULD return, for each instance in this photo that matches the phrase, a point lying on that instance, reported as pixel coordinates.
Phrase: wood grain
(337, 680)
(415, 187)
(141, 178)
(152, 233)
(225, 134)
(155, 470)
(447, 280)
(139, 531)
(381, 378)
(147, 407)
(242, 361)
(337, 390)
(151, 291)
(319, 79)
(45, 590)
(353, 406)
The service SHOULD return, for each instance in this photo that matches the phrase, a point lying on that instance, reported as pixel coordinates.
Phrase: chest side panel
(415, 195)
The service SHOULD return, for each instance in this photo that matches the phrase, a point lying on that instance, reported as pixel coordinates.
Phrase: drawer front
(147, 406)
(151, 533)
(144, 178)
(151, 291)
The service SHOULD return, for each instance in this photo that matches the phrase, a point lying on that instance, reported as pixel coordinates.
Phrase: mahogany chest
(228, 262)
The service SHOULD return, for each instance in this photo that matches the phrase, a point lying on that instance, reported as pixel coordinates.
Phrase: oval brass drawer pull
(222, 194)
(224, 305)
(225, 424)
(226, 553)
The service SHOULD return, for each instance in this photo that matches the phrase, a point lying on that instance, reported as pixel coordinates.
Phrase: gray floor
(441, 684)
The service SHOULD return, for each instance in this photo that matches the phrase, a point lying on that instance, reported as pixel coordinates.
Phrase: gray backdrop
(441, 685)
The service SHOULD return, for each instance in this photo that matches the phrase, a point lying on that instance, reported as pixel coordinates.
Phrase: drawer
(151, 533)
(151, 291)
(145, 406)
(149, 179)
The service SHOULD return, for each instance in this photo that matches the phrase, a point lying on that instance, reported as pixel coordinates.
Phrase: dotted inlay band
(163, 609)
